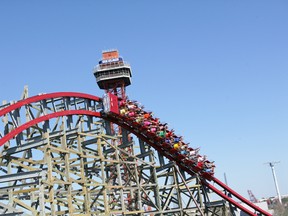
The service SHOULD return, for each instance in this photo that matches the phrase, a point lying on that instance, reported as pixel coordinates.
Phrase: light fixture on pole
(271, 164)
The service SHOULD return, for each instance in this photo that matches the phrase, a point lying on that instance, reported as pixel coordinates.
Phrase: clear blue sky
(216, 71)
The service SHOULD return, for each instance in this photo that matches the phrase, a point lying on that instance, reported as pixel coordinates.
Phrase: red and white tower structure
(113, 74)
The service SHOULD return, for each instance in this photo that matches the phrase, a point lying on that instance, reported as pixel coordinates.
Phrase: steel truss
(76, 165)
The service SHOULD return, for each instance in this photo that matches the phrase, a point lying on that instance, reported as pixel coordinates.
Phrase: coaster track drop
(59, 157)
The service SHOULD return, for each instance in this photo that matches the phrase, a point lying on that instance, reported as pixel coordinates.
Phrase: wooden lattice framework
(73, 164)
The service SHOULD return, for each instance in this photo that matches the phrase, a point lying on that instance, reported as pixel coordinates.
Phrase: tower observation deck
(112, 71)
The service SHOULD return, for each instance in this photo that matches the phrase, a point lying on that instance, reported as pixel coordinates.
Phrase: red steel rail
(37, 98)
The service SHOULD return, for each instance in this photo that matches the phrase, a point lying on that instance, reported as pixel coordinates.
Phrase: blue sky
(216, 71)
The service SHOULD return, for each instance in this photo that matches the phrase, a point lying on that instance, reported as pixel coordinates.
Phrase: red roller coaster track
(136, 129)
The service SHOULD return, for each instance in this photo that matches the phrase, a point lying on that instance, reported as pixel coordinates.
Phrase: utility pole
(271, 164)
(225, 179)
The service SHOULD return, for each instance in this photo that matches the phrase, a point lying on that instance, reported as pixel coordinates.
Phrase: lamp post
(271, 164)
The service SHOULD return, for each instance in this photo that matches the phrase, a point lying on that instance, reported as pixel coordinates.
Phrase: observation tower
(113, 74)
(71, 153)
